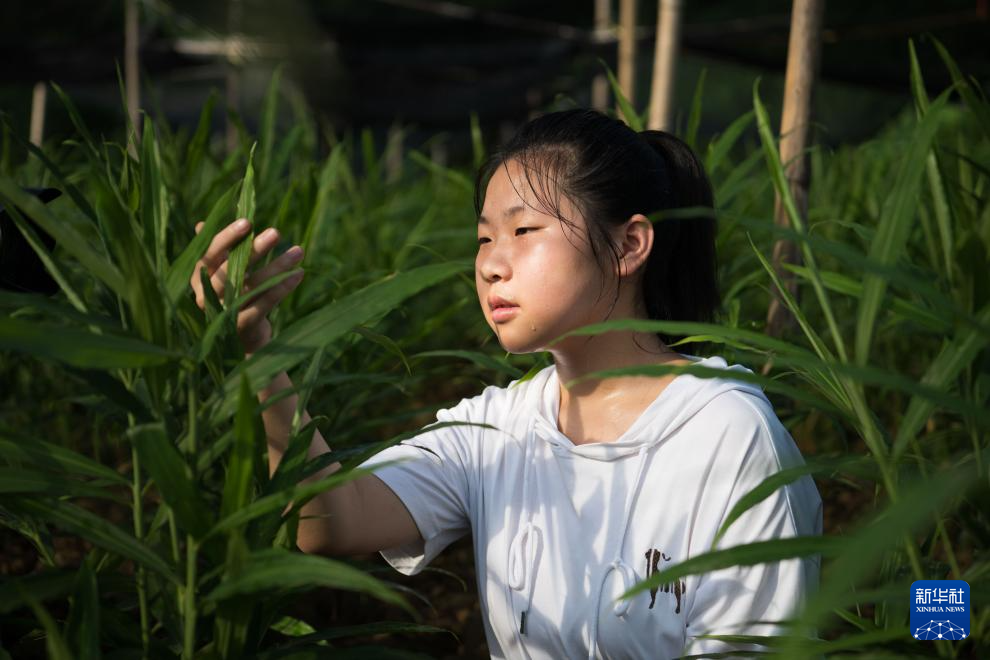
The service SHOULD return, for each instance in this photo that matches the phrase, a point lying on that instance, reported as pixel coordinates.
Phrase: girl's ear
(635, 240)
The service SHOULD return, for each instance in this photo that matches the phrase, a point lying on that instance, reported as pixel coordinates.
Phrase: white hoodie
(561, 530)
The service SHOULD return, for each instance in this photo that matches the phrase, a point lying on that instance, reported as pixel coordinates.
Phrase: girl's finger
(263, 243)
(258, 309)
(280, 264)
(225, 239)
(196, 283)
(199, 226)
(219, 280)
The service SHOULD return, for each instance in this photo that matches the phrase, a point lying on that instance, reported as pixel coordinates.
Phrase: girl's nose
(493, 264)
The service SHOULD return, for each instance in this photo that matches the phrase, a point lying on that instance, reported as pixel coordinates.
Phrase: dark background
(429, 64)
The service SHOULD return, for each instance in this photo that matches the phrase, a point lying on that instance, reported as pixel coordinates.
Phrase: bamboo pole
(803, 52)
(601, 34)
(38, 98)
(627, 50)
(664, 64)
(131, 78)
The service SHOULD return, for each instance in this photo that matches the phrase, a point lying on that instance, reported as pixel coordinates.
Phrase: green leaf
(55, 644)
(53, 268)
(20, 480)
(853, 288)
(274, 569)
(160, 457)
(46, 585)
(237, 261)
(974, 102)
(180, 272)
(955, 355)
(63, 182)
(866, 547)
(88, 143)
(154, 200)
(783, 189)
(237, 487)
(83, 626)
(385, 342)
(896, 222)
(199, 143)
(54, 457)
(749, 554)
(217, 324)
(326, 325)
(628, 112)
(720, 146)
(233, 617)
(79, 348)
(694, 119)
(771, 484)
(64, 234)
(96, 529)
(448, 173)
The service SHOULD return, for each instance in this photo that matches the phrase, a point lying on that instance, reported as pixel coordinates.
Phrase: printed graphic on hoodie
(652, 566)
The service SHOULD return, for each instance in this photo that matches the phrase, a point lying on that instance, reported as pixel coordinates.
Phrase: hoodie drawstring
(525, 549)
(526, 546)
(628, 576)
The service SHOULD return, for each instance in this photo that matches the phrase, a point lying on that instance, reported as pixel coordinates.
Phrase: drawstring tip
(522, 623)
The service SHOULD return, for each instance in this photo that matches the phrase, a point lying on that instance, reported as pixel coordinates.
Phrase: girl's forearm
(322, 518)
(278, 423)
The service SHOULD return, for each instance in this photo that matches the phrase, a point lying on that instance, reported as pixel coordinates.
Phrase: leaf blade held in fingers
(237, 262)
(181, 270)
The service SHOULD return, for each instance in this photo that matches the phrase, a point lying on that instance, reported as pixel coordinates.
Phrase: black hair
(609, 172)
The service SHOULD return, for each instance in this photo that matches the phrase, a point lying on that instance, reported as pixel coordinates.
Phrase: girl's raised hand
(253, 327)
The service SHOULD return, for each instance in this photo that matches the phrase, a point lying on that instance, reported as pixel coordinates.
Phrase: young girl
(581, 492)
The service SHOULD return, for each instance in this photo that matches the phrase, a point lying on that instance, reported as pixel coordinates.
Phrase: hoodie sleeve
(754, 446)
(434, 480)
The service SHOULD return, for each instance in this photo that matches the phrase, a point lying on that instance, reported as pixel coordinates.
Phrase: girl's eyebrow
(508, 213)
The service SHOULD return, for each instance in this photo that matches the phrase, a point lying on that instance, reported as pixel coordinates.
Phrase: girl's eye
(484, 240)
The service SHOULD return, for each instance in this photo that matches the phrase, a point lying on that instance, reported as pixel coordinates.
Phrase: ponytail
(680, 282)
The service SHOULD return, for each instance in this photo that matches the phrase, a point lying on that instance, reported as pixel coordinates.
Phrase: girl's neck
(613, 350)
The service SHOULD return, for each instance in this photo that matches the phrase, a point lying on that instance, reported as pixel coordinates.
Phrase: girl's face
(541, 266)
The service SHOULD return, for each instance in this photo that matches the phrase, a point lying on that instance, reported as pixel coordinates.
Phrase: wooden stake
(803, 52)
(602, 33)
(664, 63)
(38, 98)
(627, 51)
(131, 78)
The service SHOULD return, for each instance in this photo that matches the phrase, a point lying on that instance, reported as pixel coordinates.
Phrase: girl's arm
(360, 516)
(363, 515)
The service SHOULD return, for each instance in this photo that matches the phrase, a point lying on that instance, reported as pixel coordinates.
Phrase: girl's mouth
(500, 314)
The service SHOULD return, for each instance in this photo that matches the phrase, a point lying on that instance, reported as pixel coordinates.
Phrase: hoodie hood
(683, 397)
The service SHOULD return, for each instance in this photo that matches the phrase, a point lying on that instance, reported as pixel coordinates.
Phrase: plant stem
(139, 570)
(189, 606)
(876, 445)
